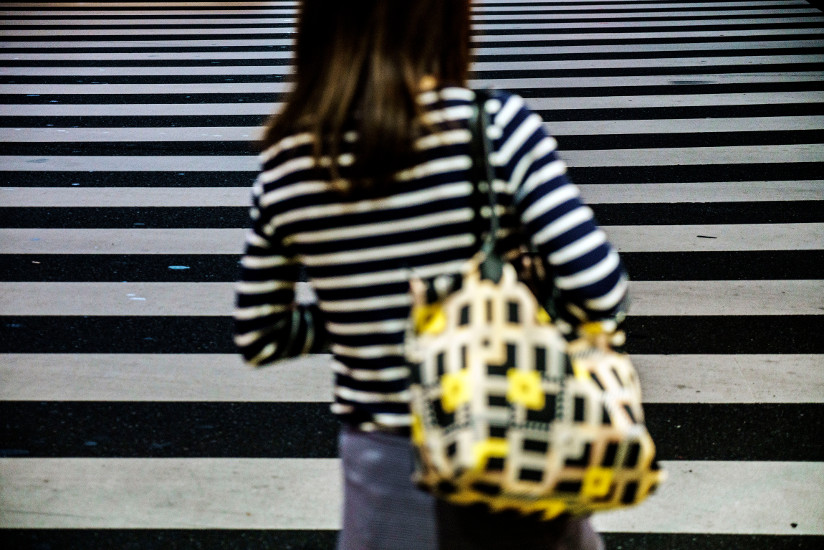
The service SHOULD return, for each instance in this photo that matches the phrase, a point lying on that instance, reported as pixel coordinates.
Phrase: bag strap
(536, 278)
(484, 175)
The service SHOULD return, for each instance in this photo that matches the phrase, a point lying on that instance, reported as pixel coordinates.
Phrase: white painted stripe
(599, 81)
(478, 6)
(641, 35)
(167, 69)
(790, 297)
(169, 5)
(138, 43)
(666, 62)
(251, 133)
(537, 50)
(485, 16)
(615, 48)
(58, 16)
(489, 28)
(699, 125)
(114, 135)
(119, 89)
(191, 56)
(782, 378)
(122, 241)
(479, 39)
(45, 15)
(617, 16)
(630, 238)
(783, 297)
(125, 196)
(204, 163)
(755, 154)
(159, 377)
(140, 109)
(740, 378)
(489, 81)
(284, 16)
(92, 493)
(550, 103)
(252, 493)
(743, 191)
(507, 5)
(639, 101)
(115, 8)
(145, 33)
(720, 238)
(134, 299)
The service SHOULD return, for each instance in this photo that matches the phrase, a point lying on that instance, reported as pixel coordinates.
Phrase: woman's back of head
(359, 65)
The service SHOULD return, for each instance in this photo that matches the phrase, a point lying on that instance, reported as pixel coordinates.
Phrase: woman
(366, 177)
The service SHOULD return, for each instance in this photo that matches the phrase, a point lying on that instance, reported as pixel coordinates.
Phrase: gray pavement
(694, 130)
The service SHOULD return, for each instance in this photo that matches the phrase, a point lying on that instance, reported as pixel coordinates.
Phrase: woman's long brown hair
(359, 64)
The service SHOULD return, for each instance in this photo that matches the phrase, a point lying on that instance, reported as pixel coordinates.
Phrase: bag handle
(535, 274)
(492, 264)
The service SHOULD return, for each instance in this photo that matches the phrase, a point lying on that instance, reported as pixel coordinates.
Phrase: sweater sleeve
(589, 278)
(268, 322)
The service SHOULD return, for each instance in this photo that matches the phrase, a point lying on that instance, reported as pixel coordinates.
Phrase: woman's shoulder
(288, 170)
(292, 146)
(505, 107)
(459, 94)
(512, 105)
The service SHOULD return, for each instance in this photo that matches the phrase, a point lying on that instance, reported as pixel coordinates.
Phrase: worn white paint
(505, 83)
(250, 133)
(709, 497)
(161, 377)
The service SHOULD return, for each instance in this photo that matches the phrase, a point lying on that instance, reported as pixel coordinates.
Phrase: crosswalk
(695, 129)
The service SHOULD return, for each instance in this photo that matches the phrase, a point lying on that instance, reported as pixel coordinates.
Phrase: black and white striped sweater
(359, 252)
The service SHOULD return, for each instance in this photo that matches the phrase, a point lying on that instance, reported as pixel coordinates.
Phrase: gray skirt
(383, 510)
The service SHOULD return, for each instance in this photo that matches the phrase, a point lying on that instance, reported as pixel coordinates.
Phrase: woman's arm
(269, 324)
(589, 278)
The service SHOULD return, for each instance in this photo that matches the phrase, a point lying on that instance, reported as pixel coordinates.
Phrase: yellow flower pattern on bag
(455, 390)
(525, 388)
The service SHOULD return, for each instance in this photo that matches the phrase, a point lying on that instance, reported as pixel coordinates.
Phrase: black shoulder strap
(484, 177)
